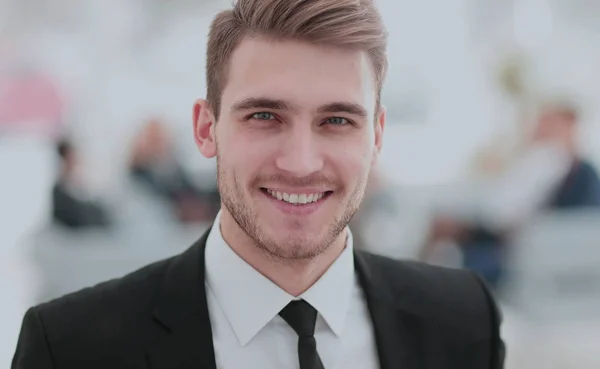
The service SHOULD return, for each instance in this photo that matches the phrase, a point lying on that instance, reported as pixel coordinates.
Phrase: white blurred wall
(121, 64)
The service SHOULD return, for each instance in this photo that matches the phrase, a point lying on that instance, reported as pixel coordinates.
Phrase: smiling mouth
(297, 199)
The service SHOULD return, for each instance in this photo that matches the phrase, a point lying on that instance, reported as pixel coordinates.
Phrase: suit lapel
(396, 330)
(181, 311)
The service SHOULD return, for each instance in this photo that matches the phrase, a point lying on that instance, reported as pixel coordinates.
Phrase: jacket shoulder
(101, 320)
(446, 295)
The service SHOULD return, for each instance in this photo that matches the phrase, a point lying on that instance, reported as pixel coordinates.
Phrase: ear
(379, 128)
(204, 128)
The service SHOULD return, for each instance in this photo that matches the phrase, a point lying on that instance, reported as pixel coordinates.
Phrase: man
(155, 166)
(549, 175)
(580, 186)
(293, 118)
(70, 207)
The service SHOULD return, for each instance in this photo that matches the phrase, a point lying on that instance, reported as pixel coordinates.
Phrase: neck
(294, 277)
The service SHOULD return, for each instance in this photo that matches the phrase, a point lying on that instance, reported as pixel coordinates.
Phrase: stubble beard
(294, 249)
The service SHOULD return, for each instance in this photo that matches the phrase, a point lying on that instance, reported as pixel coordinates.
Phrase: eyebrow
(344, 107)
(277, 104)
(261, 103)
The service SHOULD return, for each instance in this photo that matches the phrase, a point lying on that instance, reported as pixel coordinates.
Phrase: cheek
(354, 160)
(243, 155)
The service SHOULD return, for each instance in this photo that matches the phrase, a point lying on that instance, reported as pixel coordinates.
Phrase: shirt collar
(249, 300)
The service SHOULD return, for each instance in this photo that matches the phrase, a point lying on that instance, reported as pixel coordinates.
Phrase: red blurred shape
(30, 101)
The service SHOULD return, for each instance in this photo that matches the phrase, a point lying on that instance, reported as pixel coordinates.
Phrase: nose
(299, 153)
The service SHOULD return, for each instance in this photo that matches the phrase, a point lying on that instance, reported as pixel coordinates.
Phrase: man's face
(295, 142)
(557, 127)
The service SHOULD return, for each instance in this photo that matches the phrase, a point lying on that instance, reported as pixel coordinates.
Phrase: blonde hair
(354, 24)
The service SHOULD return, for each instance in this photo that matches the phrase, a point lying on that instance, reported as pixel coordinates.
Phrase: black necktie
(302, 318)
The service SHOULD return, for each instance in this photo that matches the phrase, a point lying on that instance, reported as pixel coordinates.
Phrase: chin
(286, 236)
(294, 230)
(296, 248)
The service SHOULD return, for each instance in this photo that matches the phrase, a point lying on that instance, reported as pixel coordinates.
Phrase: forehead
(306, 74)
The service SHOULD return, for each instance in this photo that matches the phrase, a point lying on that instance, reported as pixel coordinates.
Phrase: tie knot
(301, 316)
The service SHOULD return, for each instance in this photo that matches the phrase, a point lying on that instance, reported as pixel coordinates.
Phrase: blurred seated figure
(550, 174)
(155, 166)
(71, 206)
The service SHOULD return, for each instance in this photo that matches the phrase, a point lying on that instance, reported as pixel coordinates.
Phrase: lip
(299, 191)
(304, 209)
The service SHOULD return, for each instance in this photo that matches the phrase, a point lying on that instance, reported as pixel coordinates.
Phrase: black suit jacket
(424, 317)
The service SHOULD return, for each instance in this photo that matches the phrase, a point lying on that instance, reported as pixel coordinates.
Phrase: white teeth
(296, 199)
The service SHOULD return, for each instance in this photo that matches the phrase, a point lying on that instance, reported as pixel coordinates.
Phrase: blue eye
(263, 116)
(337, 121)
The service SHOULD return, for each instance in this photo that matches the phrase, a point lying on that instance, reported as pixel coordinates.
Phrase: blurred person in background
(293, 117)
(580, 186)
(71, 204)
(550, 174)
(155, 166)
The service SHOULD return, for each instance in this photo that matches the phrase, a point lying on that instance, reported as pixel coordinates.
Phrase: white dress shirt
(248, 332)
